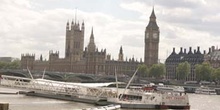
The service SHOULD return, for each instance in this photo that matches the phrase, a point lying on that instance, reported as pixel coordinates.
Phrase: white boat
(140, 99)
(205, 90)
(169, 88)
(150, 100)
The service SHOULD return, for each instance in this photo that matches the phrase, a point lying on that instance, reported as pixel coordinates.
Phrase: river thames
(22, 102)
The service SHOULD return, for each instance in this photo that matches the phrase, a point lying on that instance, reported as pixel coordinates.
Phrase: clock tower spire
(152, 34)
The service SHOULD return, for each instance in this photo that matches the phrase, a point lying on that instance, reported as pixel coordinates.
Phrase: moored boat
(170, 88)
(141, 99)
(205, 90)
(137, 99)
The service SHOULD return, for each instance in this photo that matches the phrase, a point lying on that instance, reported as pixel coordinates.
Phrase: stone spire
(120, 55)
(152, 23)
(67, 25)
(121, 51)
(91, 46)
(153, 16)
(83, 26)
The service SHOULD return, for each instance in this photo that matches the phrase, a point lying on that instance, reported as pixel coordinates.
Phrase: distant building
(192, 57)
(7, 59)
(213, 57)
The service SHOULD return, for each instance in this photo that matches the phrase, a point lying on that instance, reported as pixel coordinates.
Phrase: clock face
(147, 35)
(155, 35)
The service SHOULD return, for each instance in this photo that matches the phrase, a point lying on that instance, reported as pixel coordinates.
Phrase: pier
(58, 90)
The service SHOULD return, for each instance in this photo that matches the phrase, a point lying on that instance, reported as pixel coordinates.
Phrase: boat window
(130, 97)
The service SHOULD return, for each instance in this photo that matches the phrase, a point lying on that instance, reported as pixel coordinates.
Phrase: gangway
(75, 91)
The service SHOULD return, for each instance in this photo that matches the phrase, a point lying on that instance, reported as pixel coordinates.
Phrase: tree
(203, 71)
(2, 65)
(10, 65)
(157, 70)
(143, 70)
(216, 75)
(183, 70)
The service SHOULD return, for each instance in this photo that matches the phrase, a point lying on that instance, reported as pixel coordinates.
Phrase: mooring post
(4, 106)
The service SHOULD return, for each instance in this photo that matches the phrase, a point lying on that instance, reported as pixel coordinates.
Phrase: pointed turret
(152, 23)
(67, 25)
(152, 16)
(72, 25)
(121, 51)
(83, 26)
(120, 55)
(92, 36)
(91, 46)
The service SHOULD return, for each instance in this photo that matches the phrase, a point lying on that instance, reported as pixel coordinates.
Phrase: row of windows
(76, 44)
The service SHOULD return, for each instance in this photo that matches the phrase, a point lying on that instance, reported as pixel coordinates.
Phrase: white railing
(50, 86)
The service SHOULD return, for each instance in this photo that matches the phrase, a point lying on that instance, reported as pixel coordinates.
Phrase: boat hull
(149, 106)
(185, 107)
(136, 106)
(62, 97)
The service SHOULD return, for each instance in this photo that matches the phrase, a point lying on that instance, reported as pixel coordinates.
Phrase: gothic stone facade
(152, 34)
(91, 60)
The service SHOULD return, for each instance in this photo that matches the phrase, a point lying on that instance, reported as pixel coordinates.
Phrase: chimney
(181, 50)
(209, 51)
(190, 50)
(198, 50)
(173, 51)
(213, 48)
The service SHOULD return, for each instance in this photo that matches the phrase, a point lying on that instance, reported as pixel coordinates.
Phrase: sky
(37, 26)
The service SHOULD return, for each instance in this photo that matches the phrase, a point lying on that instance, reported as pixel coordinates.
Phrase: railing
(51, 86)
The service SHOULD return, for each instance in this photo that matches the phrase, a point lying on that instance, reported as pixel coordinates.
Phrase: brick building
(193, 58)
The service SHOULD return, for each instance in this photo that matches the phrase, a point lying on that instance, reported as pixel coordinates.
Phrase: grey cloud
(133, 40)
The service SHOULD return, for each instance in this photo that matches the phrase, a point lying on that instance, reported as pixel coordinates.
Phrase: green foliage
(11, 65)
(216, 74)
(183, 70)
(204, 71)
(143, 70)
(157, 70)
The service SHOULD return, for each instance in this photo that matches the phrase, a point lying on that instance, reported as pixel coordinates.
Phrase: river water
(22, 102)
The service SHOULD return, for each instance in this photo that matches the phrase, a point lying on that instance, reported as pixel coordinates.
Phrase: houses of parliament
(90, 59)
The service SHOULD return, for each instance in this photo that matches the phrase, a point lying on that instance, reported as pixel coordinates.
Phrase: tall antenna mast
(153, 2)
(75, 14)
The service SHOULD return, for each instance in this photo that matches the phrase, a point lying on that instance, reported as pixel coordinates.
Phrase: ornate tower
(74, 41)
(68, 35)
(120, 55)
(152, 37)
(91, 56)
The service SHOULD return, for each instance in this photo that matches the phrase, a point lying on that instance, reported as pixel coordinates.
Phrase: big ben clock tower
(152, 37)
